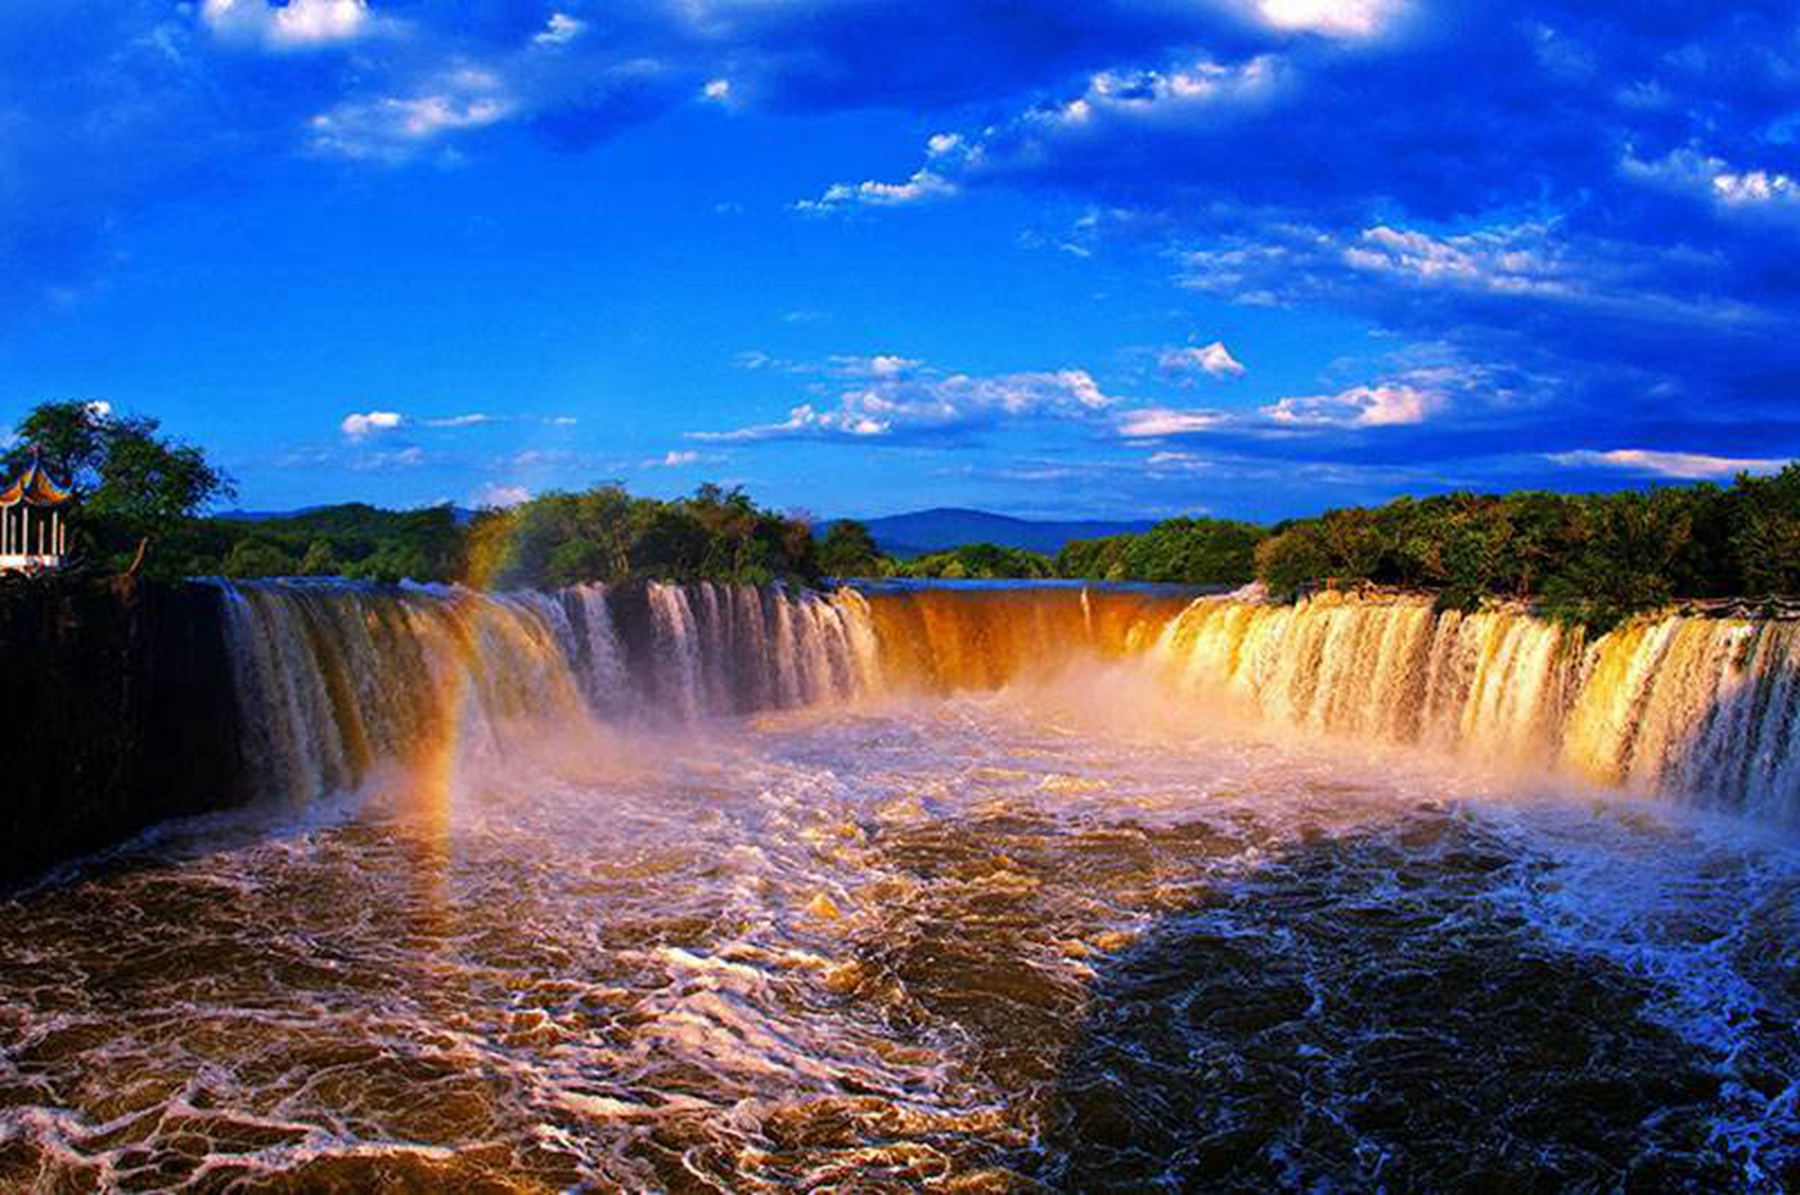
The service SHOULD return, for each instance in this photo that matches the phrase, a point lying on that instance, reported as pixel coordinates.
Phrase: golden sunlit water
(988, 889)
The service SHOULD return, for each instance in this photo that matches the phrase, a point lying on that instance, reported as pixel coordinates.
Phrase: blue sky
(1251, 257)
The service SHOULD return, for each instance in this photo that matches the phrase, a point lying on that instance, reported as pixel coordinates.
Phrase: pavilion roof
(35, 487)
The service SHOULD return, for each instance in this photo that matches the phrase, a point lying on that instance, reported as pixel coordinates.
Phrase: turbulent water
(725, 888)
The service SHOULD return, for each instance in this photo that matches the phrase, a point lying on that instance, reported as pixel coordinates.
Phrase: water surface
(1042, 937)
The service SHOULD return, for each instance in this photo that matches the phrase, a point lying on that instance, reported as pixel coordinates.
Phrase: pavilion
(34, 531)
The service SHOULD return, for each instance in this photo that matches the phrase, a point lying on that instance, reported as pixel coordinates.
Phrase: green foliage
(849, 551)
(354, 540)
(607, 535)
(980, 562)
(1765, 532)
(1177, 551)
(1593, 560)
(132, 482)
(259, 557)
(320, 560)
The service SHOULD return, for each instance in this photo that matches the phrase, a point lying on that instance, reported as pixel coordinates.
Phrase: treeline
(356, 541)
(1208, 552)
(603, 534)
(1592, 559)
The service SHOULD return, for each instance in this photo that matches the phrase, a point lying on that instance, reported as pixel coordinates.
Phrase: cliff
(117, 711)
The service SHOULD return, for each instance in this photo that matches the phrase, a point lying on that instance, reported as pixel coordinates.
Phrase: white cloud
(361, 426)
(1151, 98)
(716, 90)
(672, 460)
(923, 185)
(494, 495)
(560, 31)
(1731, 189)
(1337, 18)
(472, 420)
(1511, 260)
(897, 395)
(943, 144)
(1152, 422)
(1214, 360)
(393, 127)
(1391, 405)
(1680, 466)
(297, 24)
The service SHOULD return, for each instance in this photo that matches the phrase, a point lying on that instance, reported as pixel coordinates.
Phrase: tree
(1765, 537)
(320, 560)
(849, 551)
(134, 483)
(258, 558)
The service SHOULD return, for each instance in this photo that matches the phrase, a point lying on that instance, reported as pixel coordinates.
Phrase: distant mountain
(921, 531)
(331, 515)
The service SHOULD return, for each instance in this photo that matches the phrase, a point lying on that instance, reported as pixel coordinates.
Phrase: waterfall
(1699, 708)
(1692, 707)
(335, 678)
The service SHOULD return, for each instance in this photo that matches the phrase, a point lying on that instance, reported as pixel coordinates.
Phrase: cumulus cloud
(1678, 466)
(1214, 360)
(895, 398)
(560, 30)
(1357, 407)
(362, 425)
(923, 185)
(1338, 18)
(672, 460)
(470, 420)
(296, 24)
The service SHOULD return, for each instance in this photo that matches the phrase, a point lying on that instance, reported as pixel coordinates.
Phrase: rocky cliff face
(116, 711)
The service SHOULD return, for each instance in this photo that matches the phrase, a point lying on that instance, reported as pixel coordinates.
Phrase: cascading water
(1693, 707)
(336, 678)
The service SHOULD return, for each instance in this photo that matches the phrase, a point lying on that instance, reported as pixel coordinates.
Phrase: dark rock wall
(117, 711)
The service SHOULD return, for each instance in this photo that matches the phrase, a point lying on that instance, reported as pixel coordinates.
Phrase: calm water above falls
(997, 891)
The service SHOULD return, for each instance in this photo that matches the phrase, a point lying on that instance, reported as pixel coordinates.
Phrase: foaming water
(737, 889)
(966, 939)
(1696, 708)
